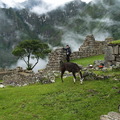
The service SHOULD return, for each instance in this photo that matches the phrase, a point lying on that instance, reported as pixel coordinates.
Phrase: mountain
(67, 24)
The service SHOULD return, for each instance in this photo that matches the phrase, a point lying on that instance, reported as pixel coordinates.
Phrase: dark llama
(71, 67)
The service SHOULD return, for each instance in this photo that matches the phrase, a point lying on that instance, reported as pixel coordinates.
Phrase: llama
(71, 67)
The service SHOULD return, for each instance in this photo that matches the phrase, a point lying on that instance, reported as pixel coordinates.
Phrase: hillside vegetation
(61, 101)
(73, 22)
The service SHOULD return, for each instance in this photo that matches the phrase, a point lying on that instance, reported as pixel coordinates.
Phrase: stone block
(119, 50)
(115, 49)
(117, 58)
(117, 63)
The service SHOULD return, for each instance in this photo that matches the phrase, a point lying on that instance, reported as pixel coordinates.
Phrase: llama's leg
(81, 77)
(74, 79)
(62, 72)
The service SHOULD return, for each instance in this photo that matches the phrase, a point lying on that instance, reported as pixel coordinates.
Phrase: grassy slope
(60, 101)
(89, 60)
(115, 42)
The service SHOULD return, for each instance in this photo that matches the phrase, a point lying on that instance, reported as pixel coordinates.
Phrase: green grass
(88, 60)
(61, 101)
(115, 42)
(1, 80)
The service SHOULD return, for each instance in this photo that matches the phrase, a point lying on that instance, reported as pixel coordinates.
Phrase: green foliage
(32, 49)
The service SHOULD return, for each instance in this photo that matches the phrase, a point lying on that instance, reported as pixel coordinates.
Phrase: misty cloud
(45, 6)
(11, 3)
(41, 9)
(71, 38)
(30, 26)
(100, 35)
(36, 6)
(41, 64)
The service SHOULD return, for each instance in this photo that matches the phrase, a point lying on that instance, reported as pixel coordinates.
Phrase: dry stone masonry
(90, 47)
(112, 55)
(54, 59)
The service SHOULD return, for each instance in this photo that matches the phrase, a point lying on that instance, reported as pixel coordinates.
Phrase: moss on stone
(116, 42)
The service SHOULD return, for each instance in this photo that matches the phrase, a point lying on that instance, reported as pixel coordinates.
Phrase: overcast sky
(11, 3)
(49, 1)
(47, 5)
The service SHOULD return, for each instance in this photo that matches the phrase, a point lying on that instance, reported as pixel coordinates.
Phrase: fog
(41, 64)
(43, 5)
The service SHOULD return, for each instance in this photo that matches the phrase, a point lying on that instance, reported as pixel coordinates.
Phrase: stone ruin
(112, 55)
(90, 47)
(54, 59)
(21, 77)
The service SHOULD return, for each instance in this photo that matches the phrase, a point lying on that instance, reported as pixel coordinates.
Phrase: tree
(32, 49)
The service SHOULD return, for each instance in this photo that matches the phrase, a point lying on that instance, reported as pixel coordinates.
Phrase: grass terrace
(88, 60)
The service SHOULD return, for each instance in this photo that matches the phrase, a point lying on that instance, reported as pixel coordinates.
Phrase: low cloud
(36, 6)
(47, 5)
(41, 64)
(100, 35)
(71, 38)
(74, 40)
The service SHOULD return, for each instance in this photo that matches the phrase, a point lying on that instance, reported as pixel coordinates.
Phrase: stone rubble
(20, 77)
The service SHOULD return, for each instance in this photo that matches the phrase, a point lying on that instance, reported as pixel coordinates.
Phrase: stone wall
(90, 47)
(112, 55)
(54, 59)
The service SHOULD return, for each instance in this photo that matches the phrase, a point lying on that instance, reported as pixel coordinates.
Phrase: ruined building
(112, 55)
(90, 47)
